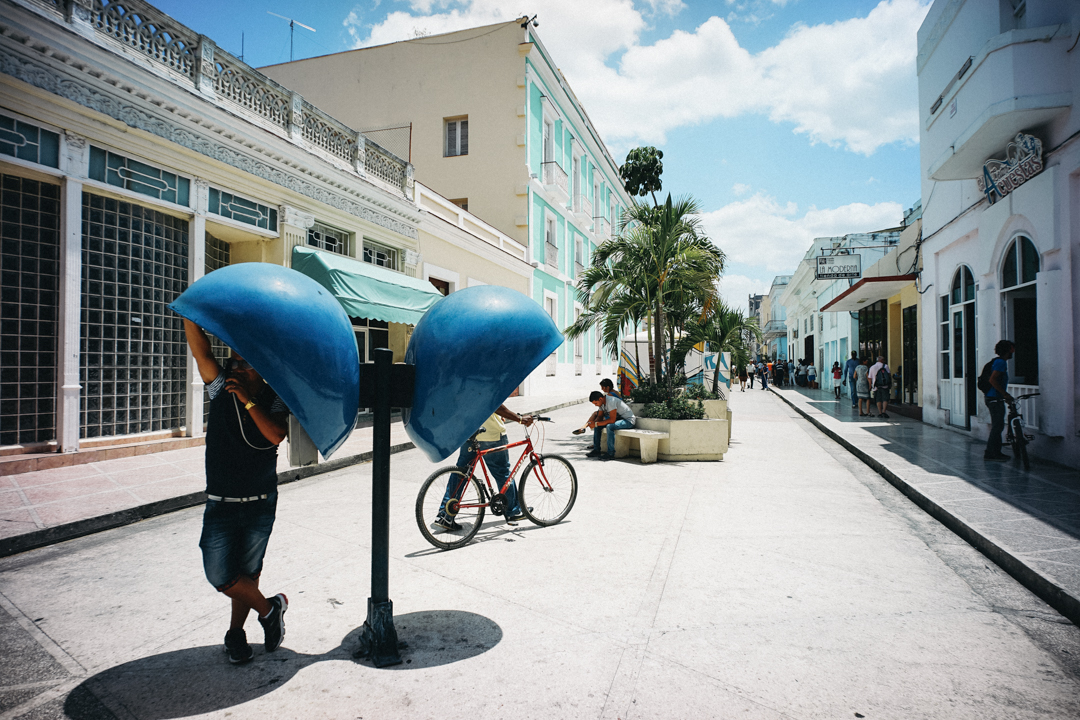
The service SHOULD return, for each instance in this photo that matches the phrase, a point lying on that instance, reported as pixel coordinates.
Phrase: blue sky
(787, 119)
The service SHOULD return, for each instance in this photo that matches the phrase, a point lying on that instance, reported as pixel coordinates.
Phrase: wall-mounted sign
(838, 267)
(1023, 161)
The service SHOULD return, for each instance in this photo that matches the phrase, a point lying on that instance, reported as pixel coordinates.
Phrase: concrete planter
(689, 439)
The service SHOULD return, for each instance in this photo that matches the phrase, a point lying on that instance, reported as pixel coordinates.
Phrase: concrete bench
(647, 441)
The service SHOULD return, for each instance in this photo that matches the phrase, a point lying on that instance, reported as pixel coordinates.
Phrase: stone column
(75, 157)
(294, 226)
(196, 269)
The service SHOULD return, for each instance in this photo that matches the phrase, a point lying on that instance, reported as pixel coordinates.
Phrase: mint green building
(491, 124)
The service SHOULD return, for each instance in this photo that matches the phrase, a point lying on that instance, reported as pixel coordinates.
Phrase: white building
(1000, 158)
(774, 331)
(826, 337)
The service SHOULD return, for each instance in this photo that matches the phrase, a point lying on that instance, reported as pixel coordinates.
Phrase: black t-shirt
(240, 462)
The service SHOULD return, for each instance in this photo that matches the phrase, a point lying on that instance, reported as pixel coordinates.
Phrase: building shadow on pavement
(944, 462)
(200, 680)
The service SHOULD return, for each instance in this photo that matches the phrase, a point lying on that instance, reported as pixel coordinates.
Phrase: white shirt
(873, 371)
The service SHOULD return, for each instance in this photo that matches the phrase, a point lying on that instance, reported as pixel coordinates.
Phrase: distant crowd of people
(870, 384)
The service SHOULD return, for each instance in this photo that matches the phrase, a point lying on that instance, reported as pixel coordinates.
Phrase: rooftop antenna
(292, 29)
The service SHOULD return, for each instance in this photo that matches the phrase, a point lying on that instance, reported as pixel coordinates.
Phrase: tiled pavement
(44, 506)
(1026, 521)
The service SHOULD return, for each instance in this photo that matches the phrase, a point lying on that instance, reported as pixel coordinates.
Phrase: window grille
(29, 142)
(380, 255)
(130, 174)
(246, 211)
(327, 238)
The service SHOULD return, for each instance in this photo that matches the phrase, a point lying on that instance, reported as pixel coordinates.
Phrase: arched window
(1020, 264)
(1019, 267)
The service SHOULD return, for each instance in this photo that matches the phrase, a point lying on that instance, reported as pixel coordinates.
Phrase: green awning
(365, 290)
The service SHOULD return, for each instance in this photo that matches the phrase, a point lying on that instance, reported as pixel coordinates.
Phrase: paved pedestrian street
(787, 581)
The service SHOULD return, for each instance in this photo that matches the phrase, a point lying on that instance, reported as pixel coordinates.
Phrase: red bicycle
(456, 497)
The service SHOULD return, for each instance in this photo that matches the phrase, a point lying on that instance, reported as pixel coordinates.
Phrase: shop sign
(838, 267)
(1023, 161)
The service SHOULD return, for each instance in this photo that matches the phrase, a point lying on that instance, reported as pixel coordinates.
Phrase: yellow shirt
(492, 429)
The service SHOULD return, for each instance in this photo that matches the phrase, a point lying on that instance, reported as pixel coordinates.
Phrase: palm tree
(659, 260)
(682, 262)
(725, 330)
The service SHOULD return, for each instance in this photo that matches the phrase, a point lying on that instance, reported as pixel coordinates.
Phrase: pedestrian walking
(247, 423)
(742, 378)
(862, 387)
(881, 383)
(751, 370)
(997, 396)
(811, 377)
(849, 376)
(763, 376)
(837, 375)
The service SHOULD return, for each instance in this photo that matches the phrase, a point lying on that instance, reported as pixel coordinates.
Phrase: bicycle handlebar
(1025, 397)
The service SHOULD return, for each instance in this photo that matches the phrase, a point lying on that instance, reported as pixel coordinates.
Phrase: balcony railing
(601, 228)
(1027, 407)
(582, 207)
(194, 62)
(555, 179)
(551, 255)
(578, 269)
(775, 328)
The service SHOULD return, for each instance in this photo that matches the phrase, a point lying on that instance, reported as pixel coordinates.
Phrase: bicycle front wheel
(1020, 444)
(547, 491)
(466, 508)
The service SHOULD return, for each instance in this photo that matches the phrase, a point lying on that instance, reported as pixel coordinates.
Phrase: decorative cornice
(71, 89)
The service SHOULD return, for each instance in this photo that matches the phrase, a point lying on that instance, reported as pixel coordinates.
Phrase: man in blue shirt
(996, 398)
(849, 375)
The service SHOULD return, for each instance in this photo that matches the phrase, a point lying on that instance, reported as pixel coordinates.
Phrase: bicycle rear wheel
(469, 508)
(547, 492)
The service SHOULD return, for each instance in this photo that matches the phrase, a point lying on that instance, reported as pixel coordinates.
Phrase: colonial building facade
(497, 130)
(135, 156)
(1000, 160)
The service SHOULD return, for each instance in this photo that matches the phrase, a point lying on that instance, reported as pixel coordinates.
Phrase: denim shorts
(234, 538)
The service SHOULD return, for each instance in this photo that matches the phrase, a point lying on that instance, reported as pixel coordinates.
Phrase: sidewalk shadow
(200, 680)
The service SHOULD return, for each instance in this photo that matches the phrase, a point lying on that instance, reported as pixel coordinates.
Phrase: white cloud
(849, 83)
(736, 289)
(740, 189)
(761, 232)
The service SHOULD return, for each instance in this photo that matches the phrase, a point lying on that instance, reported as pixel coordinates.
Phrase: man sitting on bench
(613, 414)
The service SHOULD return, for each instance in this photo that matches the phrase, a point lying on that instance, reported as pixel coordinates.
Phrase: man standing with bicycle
(492, 434)
(996, 397)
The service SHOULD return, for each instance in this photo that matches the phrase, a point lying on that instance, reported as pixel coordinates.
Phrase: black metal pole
(378, 640)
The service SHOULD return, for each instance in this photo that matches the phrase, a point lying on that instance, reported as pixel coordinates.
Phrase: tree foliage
(641, 172)
(660, 259)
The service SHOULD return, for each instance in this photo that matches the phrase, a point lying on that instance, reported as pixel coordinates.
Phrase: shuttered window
(457, 137)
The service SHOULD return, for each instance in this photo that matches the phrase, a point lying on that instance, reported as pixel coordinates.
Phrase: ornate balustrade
(193, 59)
(149, 31)
(555, 178)
(232, 80)
(329, 134)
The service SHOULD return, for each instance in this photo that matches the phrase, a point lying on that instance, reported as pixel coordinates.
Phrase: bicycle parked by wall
(546, 493)
(1014, 430)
